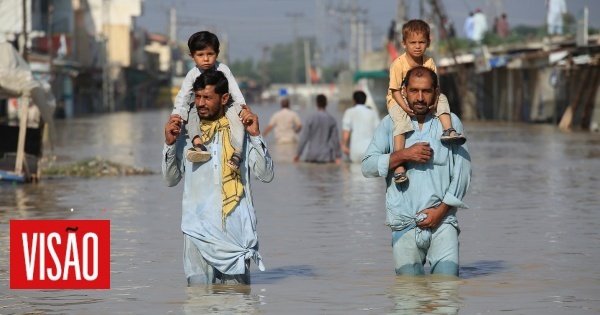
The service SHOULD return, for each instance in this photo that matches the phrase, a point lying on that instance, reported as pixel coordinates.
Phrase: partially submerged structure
(543, 82)
(21, 145)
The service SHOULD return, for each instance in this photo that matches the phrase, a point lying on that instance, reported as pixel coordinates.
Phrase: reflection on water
(325, 184)
(275, 275)
(283, 153)
(128, 138)
(432, 294)
(32, 200)
(481, 268)
(221, 299)
(529, 242)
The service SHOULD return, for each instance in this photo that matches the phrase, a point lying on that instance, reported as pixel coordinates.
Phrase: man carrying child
(415, 39)
(204, 50)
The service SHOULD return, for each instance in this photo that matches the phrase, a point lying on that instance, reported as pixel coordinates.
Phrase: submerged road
(529, 243)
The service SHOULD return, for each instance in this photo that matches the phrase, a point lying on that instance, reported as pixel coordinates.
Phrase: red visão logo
(60, 254)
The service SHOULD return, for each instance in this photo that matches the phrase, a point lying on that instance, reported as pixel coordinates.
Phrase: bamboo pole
(25, 37)
(20, 159)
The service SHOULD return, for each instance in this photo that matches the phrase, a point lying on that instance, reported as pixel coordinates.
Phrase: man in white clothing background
(556, 9)
(358, 125)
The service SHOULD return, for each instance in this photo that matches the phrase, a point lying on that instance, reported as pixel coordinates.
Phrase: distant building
(97, 58)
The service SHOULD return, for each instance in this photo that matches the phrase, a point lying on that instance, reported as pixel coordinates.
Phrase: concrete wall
(111, 19)
(119, 41)
(115, 12)
(164, 55)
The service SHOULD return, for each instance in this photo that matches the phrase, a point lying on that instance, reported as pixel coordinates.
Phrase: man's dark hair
(212, 77)
(321, 100)
(359, 97)
(203, 40)
(421, 71)
(285, 103)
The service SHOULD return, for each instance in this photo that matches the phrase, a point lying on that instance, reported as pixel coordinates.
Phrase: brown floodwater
(529, 243)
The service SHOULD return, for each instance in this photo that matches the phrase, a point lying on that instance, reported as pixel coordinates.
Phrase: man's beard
(423, 110)
(210, 115)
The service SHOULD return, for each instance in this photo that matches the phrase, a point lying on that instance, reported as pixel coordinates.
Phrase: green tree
(280, 63)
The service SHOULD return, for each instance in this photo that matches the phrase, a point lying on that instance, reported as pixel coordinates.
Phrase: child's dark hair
(211, 77)
(415, 26)
(203, 40)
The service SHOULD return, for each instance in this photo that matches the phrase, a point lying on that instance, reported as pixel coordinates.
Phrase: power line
(353, 10)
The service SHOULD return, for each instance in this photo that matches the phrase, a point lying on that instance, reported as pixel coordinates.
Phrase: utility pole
(307, 62)
(173, 25)
(320, 35)
(355, 48)
(24, 44)
(361, 41)
(50, 40)
(353, 32)
(172, 43)
(294, 75)
(265, 66)
(401, 13)
(107, 84)
(369, 38)
(224, 47)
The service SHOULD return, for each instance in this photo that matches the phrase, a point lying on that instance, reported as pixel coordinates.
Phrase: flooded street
(530, 241)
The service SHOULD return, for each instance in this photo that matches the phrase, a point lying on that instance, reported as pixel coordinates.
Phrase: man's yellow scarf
(232, 188)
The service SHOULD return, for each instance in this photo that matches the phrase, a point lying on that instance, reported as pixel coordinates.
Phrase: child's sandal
(235, 161)
(457, 138)
(198, 154)
(400, 177)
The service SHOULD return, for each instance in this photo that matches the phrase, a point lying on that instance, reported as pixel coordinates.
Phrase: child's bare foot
(400, 175)
(199, 153)
(451, 136)
(235, 161)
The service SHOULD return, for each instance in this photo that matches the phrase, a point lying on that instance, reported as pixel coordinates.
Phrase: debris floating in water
(96, 167)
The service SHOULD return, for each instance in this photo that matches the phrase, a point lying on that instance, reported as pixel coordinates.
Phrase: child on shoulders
(204, 50)
(415, 40)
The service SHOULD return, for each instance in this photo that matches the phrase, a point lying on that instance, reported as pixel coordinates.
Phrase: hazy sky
(251, 24)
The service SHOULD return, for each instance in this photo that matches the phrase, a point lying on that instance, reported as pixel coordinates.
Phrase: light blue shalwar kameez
(554, 19)
(444, 178)
(212, 250)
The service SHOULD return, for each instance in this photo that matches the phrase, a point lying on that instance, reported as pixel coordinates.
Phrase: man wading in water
(422, 215)
(218, 219)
